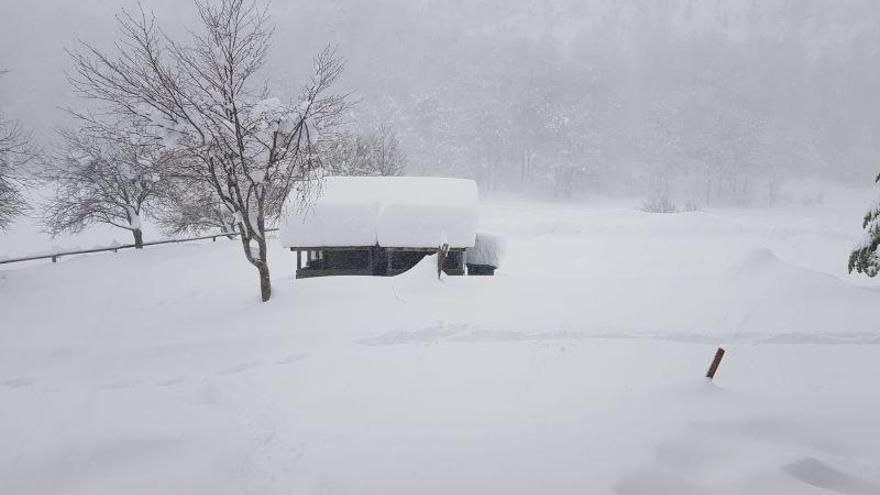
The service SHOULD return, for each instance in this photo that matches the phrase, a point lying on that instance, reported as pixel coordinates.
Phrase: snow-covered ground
(577, 369)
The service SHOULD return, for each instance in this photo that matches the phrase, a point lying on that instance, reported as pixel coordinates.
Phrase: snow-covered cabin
(381, 225)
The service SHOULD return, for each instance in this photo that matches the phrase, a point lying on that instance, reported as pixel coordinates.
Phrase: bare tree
(16, 151)
(375, 152)
(202, 98)
(191, 207)
(386, 157)
(102, 178)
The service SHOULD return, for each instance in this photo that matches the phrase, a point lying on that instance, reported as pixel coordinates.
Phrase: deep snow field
(577, 369)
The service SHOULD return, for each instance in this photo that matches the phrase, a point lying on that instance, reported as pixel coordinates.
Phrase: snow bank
(488, 250)
(756, 261)
(425, 270)
(421, 279)
(419, 212)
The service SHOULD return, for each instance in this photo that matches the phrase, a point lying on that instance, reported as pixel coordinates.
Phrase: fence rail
(54, 256)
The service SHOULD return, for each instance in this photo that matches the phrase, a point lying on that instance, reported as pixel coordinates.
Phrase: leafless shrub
(373, 152)
(659, 204)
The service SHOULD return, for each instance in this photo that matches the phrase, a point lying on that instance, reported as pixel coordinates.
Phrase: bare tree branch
(201, 99)
(106, 175)
(16, 152)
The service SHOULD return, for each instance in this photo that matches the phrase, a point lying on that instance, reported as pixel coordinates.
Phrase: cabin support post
(299, 260)
(390, 256)
(442, 252)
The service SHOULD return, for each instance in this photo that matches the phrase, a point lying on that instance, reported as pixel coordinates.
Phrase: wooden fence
(54, 256)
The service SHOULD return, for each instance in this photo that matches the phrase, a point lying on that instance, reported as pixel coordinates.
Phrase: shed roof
(411, 212)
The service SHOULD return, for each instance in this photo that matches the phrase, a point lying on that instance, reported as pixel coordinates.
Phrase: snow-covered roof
(414, 212)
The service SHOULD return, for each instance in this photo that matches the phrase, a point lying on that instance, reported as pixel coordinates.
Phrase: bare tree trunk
(261, 262)
(263, 269)
(138, 238)
(265, 282)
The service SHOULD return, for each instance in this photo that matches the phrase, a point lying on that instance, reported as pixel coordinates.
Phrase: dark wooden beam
(358, 248)
(330, 248)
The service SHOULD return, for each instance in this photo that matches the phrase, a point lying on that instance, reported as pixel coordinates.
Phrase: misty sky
(572, 89)
(34, 34)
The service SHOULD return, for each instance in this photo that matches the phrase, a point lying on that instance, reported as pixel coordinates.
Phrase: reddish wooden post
(715, 363)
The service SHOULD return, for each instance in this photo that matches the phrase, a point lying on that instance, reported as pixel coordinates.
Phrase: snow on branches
(103, 176)
(16, 151)
(863, 258)
(201, 99)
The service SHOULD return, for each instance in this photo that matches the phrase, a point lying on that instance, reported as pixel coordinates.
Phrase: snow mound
(762, 271)
(420, 277)
(756, 260)
(488, 250)
(766, 296)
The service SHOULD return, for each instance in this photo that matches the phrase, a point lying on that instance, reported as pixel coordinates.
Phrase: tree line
(718, 102)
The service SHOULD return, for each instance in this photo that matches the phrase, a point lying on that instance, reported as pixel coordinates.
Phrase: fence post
(715, 363)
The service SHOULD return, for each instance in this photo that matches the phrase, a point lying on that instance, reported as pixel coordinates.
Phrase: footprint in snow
(816, 473)
(208, 395)
(239, 368)
(742, 446)
(170, 381)
(654, 482)
(16, 383)
(120, 385)
(293, 358)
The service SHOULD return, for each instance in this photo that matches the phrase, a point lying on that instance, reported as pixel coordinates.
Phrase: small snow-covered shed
(381, 225)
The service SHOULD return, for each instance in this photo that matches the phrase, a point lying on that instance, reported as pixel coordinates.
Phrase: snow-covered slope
(577, 369)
